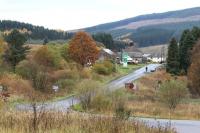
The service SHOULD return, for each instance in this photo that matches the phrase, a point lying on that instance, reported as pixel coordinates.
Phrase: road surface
(119, 83)
(182, 126)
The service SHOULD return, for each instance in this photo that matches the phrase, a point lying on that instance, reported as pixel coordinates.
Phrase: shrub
(101, 102)
(27, 69)
(87, 89)
(104, 68)
(122, 112)
(61, 74)
(86, 73)
(110, 66)
(100, 69)
(15, 84)
(64, 52)
(119, 103)
(172, 92)
(48, 57)
(35, 73)
(41, 81)
(67, 84)
(64, 64)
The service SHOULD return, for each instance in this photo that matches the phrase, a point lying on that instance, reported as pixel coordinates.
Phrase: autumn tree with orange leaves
(83, 49)
(194, 71)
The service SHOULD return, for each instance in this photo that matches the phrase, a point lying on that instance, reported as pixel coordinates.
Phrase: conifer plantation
(173, 57)
(179, 55)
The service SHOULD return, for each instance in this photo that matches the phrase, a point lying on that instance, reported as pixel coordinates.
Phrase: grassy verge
(129, 68)
(21, 122)
(121, 71)
(144, 102)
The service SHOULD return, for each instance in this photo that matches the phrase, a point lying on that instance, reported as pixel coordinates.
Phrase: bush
(104, 68)
(172, 92)
(67, 84)
(41, 81)
(110, 66)
(15, 84)
(101, 102)
(27, 69)
(65, 53)
(122, 112)
(86, 73)
(87, 89)
(35, 73)
(48, 57)
(100, 69)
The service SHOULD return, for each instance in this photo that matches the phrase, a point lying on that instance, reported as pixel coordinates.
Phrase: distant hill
(155, 51)
(151, 29)
(32, 31)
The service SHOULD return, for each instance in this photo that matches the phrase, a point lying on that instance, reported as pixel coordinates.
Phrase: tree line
(34, 32)
(108, 41)
(183, 58)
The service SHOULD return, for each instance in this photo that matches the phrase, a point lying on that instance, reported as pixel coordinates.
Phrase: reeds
(59, 122)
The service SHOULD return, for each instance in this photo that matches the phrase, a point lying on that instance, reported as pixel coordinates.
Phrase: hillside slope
(32, 31)
(152, 29)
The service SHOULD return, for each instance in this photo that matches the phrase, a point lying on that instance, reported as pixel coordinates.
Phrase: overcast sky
(75, 14)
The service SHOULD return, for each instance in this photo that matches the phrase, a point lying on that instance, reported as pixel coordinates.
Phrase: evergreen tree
(106, 39)
(16, 49)
(45, 41)
(186, 44)
(173, 57)
(196, 33)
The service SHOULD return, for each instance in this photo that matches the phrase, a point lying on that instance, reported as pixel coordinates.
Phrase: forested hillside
(33, 32)
(152, 29)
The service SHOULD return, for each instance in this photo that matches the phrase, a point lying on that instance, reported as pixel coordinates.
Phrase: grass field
(145, 101)
(58, 122)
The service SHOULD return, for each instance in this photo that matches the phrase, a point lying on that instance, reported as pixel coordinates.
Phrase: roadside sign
(125, 59)
(55, 88)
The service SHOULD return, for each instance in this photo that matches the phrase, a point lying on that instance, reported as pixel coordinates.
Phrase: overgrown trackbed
(182, 126)
(65, 104)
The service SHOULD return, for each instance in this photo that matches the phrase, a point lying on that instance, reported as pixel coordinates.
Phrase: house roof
(108, 51)
(147, 55)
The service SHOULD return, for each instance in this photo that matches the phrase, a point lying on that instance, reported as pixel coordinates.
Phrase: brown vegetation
(20, 122)
(83, 49)
(15, 84)
(194, 71)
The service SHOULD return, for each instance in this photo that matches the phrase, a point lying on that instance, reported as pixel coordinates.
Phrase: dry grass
(156, 110)
(15, 84)
(20, 122)
(145, 102)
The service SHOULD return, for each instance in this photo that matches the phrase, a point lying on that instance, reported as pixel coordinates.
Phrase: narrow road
(182, 126)
(64, 105)
(119, 83)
